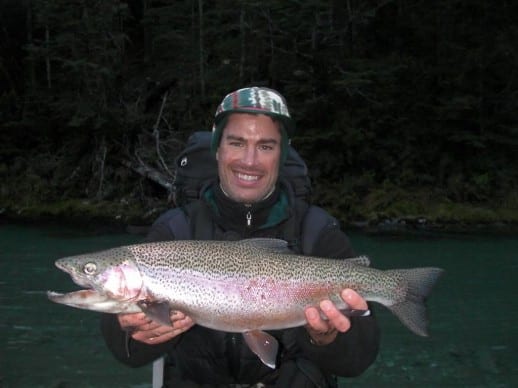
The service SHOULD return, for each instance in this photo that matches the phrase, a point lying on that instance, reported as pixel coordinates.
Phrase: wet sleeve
(354, 351)
(127, 350)
(350, 354)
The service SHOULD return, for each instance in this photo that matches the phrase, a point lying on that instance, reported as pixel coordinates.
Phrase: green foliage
(392, 99)
(99, 212)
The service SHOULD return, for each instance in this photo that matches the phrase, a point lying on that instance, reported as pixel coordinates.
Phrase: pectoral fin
(157, 311)
(263, 345)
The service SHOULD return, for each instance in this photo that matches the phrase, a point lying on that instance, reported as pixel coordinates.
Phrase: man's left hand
(324, 331)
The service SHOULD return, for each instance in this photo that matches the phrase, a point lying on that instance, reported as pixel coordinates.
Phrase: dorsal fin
(272, 245)
(360, 260)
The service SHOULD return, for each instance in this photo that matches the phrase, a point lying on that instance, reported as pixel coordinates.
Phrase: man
(250, 140)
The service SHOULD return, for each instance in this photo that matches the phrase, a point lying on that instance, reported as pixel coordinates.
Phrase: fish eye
(89, 268)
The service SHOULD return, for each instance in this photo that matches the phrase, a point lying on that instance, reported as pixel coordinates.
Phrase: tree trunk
(242, 31)
(47, 57)
(30, 58)
(202, 54)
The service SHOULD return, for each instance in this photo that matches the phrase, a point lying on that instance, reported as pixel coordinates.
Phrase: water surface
(44, 344)
(473, 313)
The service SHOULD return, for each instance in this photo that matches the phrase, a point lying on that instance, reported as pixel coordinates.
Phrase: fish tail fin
(412, 310)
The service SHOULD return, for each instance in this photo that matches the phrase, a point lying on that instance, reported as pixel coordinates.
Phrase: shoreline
(138, 222)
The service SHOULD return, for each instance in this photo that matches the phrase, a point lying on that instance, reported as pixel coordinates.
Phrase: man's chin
(244, 197)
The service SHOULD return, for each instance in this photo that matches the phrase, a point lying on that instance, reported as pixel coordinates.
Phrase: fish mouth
(76, 298)
(92, 300)
(59, 296)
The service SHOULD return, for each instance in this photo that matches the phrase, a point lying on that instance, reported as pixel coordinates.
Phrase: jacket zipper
(249, 219)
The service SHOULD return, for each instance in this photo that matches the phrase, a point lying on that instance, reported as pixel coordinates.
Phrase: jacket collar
(243, 218)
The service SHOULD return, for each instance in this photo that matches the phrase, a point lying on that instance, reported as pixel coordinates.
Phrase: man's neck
(248, 204)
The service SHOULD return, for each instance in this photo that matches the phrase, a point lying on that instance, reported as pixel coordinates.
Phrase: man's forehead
(235, 129)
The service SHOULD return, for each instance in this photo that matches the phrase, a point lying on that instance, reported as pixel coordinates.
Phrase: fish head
(112, 273)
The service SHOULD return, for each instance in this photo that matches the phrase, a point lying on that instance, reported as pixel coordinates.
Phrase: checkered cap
(256, 100)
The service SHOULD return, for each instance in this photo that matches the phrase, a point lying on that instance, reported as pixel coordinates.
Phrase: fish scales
(255, 284)
(264, 292)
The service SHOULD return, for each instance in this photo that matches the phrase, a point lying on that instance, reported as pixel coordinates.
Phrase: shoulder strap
(202, 225)
(179, 224)
(193, 222)
(315, 221)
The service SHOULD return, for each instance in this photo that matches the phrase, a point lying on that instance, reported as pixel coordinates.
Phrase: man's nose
(249, 155)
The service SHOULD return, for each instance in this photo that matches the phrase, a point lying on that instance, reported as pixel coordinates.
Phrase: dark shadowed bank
(392, 217)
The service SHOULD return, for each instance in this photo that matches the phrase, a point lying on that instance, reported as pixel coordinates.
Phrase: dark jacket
(209, 356)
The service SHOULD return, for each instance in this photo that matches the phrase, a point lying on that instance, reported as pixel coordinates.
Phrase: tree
(402, 94)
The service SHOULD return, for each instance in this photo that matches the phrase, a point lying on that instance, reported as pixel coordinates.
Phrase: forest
(406, 109)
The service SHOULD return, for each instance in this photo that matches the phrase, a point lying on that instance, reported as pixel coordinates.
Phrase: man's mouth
(247, 177)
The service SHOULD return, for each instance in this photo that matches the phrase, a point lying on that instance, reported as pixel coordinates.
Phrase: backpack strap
(179, 225)
(202, 226)
(315, 221)
(192, 221)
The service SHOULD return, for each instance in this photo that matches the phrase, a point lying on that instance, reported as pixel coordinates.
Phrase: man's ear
(217, 155)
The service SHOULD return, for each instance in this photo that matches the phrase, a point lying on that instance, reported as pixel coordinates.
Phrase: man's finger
(354, 300)
(315, 321)
(132, 320)
(336, 319)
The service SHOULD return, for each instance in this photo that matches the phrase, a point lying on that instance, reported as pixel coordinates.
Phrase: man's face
(248, 156)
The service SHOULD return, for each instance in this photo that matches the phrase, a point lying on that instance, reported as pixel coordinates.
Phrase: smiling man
(248, 157)
(250, 141)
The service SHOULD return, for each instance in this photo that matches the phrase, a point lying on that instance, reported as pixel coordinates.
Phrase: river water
(473, 313)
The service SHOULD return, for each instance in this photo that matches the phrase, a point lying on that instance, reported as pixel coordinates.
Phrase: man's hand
(323, 332)
(143, 329)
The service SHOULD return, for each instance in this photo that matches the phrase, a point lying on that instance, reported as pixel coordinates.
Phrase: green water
(473, 314)
(44, 344)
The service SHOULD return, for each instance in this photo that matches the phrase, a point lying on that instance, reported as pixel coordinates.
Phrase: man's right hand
(144, 329)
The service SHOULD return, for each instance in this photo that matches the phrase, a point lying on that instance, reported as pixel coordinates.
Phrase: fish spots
(231, 286)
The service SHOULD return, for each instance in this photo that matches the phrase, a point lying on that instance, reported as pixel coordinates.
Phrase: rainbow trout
(245, 286)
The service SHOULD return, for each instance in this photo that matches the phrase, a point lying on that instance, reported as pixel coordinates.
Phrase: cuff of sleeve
(307, 344)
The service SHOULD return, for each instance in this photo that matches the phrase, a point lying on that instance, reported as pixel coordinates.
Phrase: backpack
(196, 168)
